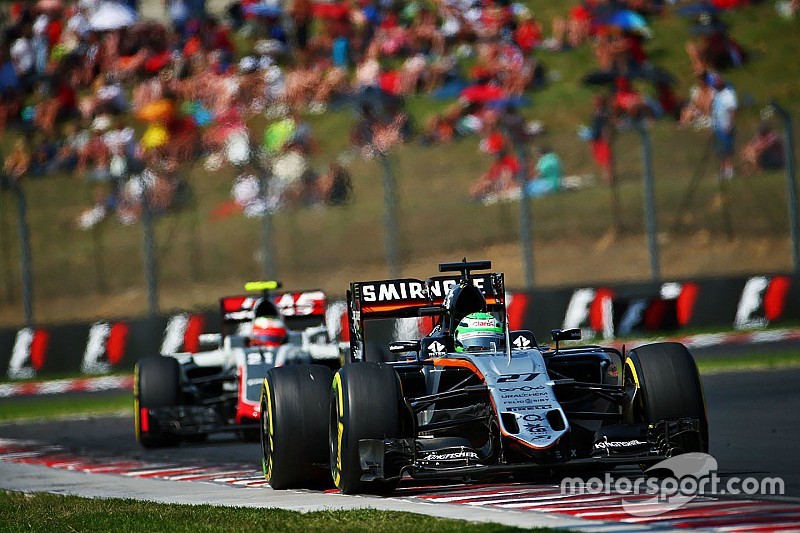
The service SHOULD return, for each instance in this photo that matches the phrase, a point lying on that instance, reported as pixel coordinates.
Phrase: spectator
(723, 123)
(697, 111)
(42, 156)
(548, 174)
(17, 163)
(600, 137)
(499, 179)
(528, 34)
(628, 102)
(715, 50)
(23, 56)
(335, 186)
(574, 30)
(764, 151)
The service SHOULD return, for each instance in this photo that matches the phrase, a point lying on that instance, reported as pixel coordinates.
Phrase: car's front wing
(388, 459)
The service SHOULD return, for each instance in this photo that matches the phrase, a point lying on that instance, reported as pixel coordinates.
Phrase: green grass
(81, 274)
(769, 361)
(48, 512)
(49, 407)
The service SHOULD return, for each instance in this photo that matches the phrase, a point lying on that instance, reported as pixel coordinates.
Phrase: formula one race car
(473, 399)
(187, 396)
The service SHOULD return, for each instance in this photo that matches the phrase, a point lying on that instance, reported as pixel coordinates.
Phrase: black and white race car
(187, 396)
(472, 398)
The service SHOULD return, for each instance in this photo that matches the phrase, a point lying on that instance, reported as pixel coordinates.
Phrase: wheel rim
(266, 432)
(336, 432)
(632, 378)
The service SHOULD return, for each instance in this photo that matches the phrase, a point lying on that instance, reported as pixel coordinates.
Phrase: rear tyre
(294, 426)
(669, 387)
(365, 404)
(157, 383)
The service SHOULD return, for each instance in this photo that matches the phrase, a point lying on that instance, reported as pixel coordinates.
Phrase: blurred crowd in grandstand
(92, 88)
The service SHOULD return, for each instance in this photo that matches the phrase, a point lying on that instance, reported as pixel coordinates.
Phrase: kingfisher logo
(762, 301)
(105, 347)
(28, 354)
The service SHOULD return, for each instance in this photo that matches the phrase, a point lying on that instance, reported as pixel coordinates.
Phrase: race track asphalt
(754, 422)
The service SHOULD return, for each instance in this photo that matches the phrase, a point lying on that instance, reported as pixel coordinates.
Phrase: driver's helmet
(478, 332)
(268, 331)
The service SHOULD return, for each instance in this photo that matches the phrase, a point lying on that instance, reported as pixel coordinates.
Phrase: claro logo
(28, 354)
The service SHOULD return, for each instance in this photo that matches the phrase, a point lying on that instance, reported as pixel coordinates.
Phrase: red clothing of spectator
(667, 99)
(528, 35)
(580, 12)
(325, 10)
(67, 98)
(502, 167)
(729, 4)
(157, 62)
(15, 11)
(180, 125)
(222, 40)
(54, 31)
(493, 144)
(635, 49)
(482, 93)
(192, 46)
(389, 82)
(626, 99)
(495, 17)
(389, 22)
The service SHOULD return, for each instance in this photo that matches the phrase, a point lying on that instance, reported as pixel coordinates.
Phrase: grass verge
(761, 361)
(63, 406)
(49, 512)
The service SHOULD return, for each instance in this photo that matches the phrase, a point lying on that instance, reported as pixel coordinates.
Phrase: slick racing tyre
(668, 387)
(294, 426)
(157, 383)
(365, 404)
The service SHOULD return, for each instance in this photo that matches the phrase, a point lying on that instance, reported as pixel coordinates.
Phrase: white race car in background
(186, 396)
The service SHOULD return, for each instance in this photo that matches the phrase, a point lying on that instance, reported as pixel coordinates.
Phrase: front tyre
(668, 387)
(156, 384)
(365, 404)
(294, 426)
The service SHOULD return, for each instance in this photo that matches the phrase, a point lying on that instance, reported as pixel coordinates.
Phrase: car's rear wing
(410, 297)
(299, 309)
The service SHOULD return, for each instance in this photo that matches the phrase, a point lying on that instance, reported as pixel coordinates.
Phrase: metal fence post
(5, 249)
(389, 216)
(99, 255)
(263, 164)
(24, 254)
(267, 249)
(525, 232)
(150, 267)
(791, 184)
(649, 202)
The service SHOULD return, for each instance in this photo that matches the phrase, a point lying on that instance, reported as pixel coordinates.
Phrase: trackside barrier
(602, 312)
